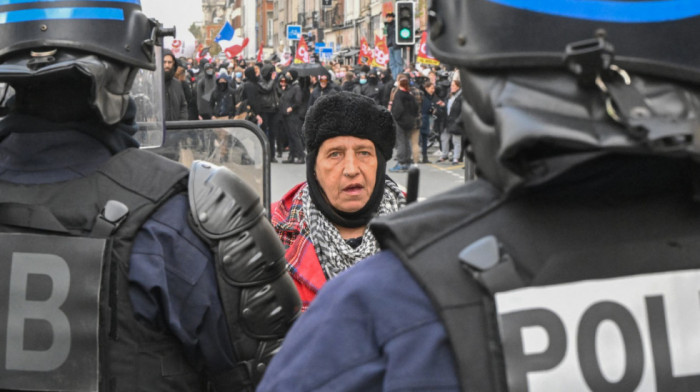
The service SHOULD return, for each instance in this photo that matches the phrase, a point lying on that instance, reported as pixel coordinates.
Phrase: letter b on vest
(49, 316)
(21, 310)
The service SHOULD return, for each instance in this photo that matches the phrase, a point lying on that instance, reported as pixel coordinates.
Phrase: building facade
(339, 24)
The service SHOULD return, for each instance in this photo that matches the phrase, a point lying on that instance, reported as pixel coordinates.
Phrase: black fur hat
(349, 114)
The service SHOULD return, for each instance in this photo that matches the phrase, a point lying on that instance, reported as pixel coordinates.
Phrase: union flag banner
(380, 56)
(302, 55)
(365, 56)
(423, 56)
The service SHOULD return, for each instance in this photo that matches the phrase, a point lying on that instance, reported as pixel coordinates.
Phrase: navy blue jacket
(172, 279)
(362, 333)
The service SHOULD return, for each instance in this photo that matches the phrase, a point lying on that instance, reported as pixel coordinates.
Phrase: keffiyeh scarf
(333, 252)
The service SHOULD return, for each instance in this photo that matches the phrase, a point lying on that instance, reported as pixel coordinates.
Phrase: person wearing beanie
(323, 221)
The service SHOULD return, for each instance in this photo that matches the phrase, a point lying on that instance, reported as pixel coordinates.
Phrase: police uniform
(122, 270)
(570, 264)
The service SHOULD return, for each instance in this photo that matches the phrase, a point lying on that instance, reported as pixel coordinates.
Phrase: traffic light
(405, 15)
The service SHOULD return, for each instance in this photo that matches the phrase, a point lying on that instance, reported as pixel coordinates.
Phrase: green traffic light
(405, 33)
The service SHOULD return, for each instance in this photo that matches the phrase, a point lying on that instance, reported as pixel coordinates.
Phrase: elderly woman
(323, 221)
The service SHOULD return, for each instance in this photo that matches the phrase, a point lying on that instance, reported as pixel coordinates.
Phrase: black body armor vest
(602, 250)
(131, 356)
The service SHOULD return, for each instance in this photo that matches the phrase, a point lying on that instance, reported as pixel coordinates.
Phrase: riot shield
(238, 145)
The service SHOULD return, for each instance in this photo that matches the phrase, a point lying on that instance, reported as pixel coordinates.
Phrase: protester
(323, 221)
(224, 98)
(430, 106)
(251, 99)
(175, 100)
(268, 108)
(290, 104)
(396, 63)
(453, 129)
(405, 109)
(373, 87)
(183, 76)
(206, 86)
(349, 83)
(324, 87)
(388, 83)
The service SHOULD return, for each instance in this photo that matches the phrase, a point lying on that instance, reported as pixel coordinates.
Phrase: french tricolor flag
(230, 44)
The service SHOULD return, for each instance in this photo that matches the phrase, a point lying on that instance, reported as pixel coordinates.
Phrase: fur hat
(349, 114)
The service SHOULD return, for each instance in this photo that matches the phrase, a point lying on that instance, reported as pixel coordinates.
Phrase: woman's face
(346, 169)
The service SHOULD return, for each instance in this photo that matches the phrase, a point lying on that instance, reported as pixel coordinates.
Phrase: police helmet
(579, 79)
(107, 41)
(651, 37)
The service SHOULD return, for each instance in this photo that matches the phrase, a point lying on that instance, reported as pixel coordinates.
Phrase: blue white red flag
(225, 34)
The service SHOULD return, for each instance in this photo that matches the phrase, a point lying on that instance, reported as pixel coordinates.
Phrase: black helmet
(553, 84)
(106, 41)
(650, 37)
(116, 30)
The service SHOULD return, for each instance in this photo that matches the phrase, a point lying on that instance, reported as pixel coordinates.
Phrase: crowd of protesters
(421, 100)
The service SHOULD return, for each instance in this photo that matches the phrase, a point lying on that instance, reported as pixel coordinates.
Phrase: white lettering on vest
(21, 309)
(636, 333)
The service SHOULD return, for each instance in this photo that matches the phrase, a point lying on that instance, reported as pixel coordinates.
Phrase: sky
(181, 13)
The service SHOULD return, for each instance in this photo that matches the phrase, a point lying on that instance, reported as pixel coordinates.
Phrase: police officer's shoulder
(422, 224)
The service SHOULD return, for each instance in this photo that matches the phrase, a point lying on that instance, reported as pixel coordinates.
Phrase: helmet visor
(147, 92)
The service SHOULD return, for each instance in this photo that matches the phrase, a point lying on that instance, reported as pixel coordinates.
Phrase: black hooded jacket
(175, 101)
(251, 96)
(205, 89)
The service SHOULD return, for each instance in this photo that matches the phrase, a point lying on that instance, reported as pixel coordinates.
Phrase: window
(270, 29)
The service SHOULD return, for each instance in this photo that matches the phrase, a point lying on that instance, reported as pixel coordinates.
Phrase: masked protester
(175, 100)
(373, 87)
(323, 221)
(206, 86)
(114, 270)
(224, 98)
(570, 263)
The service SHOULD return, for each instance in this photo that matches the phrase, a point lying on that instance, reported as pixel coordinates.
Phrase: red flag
(381, 52)
(259, 59)
(237, 46)
(202, 53)
(423, 56)
(365, 56)
(302, 55)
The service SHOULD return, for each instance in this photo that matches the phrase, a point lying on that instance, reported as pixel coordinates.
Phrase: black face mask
(222, 85)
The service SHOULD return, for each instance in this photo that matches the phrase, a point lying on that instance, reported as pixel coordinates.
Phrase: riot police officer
(120, 270)
(571, 262)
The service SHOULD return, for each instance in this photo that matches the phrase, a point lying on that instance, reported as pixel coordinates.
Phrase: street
(434, 178)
